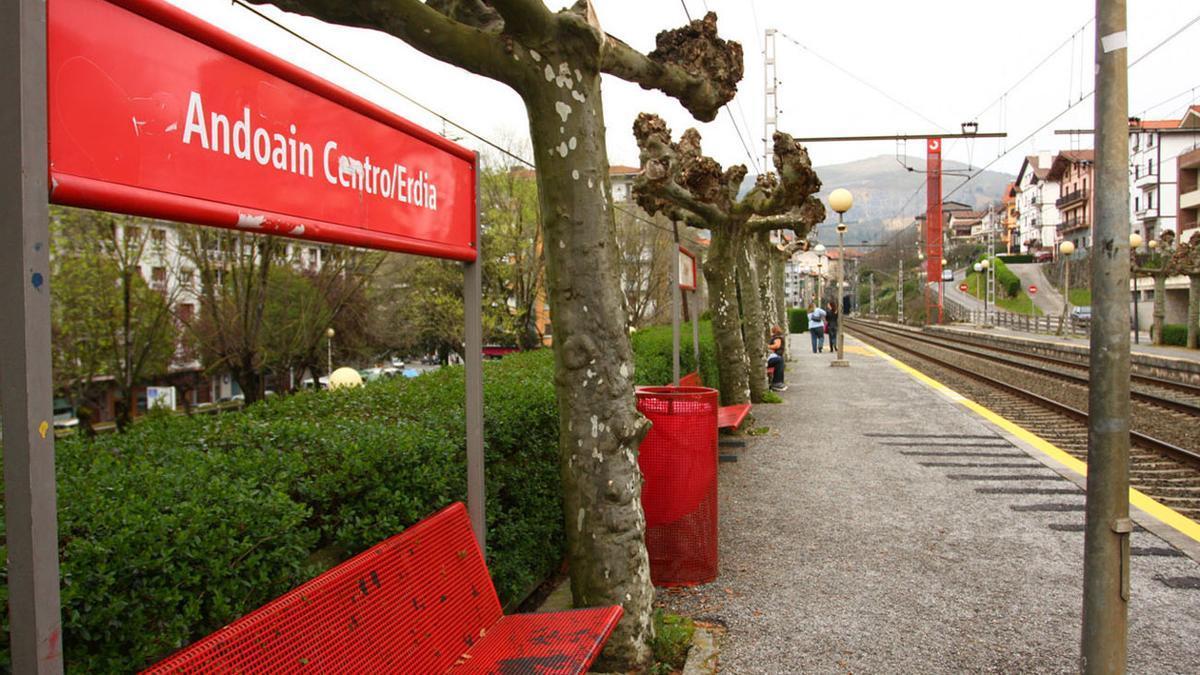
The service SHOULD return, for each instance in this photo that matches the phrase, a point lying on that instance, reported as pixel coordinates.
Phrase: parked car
(1043, 256)
(1081, 315)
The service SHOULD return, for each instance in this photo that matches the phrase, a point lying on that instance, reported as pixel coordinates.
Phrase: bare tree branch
(465, 34)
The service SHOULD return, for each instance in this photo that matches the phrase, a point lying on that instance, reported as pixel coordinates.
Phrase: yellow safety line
(1160, 512)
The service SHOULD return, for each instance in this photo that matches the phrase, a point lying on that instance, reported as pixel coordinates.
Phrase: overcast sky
(930, 64)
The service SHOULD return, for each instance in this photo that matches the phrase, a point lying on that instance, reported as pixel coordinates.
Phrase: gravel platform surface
(859, 536)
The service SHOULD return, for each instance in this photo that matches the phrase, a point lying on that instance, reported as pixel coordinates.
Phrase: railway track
(1165, 470)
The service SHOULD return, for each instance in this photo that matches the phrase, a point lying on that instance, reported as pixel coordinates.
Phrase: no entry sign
(1032, 289)
(963, 287)
(156, 113)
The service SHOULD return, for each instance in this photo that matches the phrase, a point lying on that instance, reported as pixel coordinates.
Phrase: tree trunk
(753, 318)
(720, 272)
(599, 426)
(1160, 306)
(1193, 310)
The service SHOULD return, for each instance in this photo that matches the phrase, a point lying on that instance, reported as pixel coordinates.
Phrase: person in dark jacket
(831, 320)
(775, 359)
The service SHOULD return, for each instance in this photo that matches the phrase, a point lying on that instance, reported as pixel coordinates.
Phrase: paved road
(1047, 298)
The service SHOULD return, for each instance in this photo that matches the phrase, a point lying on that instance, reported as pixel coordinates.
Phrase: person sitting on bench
(775, 360)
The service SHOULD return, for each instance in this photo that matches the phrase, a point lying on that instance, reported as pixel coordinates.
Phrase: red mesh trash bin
(678, 459)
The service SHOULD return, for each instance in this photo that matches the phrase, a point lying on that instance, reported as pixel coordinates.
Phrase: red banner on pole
(156, 113)
(933, 209)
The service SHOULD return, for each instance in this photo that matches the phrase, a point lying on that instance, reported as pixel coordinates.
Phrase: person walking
(831, 319)
(775, 359)
(816, 327)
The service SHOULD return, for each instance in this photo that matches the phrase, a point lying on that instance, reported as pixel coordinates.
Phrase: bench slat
(554, 643)
(414, 603)
(731, 416)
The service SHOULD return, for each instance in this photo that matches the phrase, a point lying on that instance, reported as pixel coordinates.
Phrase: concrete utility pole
(872, 294)
(1106, 538)
(900, 292)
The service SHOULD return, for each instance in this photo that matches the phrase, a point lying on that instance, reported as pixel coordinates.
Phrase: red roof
(619, 170)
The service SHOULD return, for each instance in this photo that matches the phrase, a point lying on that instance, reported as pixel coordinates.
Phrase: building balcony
(1145, 180)
(1073, 225)
(1147, 213)
(1071, 198)
(1189, 200)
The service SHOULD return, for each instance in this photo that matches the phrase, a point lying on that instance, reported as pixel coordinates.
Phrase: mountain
(884, 198)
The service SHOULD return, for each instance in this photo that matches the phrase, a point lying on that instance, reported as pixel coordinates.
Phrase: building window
(1137, 204)
(1150, 167)
(186, 277)
(158, 239)
(186, 311)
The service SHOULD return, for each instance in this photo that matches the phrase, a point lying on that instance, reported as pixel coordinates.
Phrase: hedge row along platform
(420, 602)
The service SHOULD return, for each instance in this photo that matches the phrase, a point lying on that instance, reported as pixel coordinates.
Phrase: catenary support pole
(26, 393)
(1106, 538)
(473, 361)
(900, 292)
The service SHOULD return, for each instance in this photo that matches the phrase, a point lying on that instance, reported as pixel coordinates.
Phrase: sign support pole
(676, 298)
(26, 391)
(473, 361)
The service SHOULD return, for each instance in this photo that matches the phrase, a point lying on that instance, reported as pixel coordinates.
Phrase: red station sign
(156, 113)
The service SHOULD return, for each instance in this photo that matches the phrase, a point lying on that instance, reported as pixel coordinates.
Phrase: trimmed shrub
(1016, 258)
(177, 527)
(652, 355)
(797, 320)
(1175, 334)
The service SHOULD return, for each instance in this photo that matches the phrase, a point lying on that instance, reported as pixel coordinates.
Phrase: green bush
(797, 320)
(652, 355)
(1006, 280)
(1016, 258)
(1175, 334)
(180, 525)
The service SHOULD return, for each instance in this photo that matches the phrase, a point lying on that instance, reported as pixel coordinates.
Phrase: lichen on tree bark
(553, 60)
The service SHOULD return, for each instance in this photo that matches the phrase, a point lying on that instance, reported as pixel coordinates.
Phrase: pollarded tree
(554, 60)
(1154, 265)
(1186, 261)
(678, 180)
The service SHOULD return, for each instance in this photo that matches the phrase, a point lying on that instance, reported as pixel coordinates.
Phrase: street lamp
(1135, 242)
(329, 333)
(819, 249)
(1066, 249)
(841, 200)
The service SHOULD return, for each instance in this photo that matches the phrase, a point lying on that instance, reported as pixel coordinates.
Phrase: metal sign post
(159, 114)
(26, 392)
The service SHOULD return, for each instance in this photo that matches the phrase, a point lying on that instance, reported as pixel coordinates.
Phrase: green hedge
(797, 320)
(1016, 258)
(652, 354)
(1006, 280)
(181, 525)
(1175, 334)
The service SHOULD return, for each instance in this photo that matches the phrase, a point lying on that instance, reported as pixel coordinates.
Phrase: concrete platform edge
(1188, 545)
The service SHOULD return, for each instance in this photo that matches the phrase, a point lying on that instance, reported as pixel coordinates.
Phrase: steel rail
(1143, 440)
(945, 342)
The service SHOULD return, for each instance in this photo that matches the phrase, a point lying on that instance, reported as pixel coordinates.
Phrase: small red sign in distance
(1032, 288)
(156, 113)
(962, 287)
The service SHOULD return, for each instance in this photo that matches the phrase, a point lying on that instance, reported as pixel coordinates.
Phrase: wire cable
(862, 81)
(443, 118)
(1082, 98)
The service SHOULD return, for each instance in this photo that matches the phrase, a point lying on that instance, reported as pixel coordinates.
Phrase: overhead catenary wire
(862, 81)
(1070, 106)
(445, 119)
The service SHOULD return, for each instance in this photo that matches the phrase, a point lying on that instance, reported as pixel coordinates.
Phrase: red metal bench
(420, 602)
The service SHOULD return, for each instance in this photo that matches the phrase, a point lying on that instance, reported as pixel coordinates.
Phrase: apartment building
(1154, 149)
(1073, 170)
(1036, 212)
